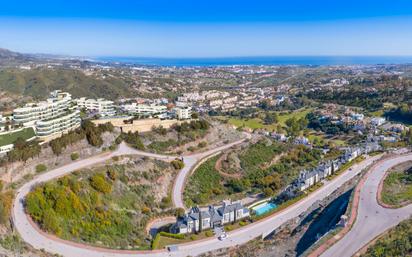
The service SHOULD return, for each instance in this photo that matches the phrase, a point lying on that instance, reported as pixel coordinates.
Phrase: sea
(267, 60)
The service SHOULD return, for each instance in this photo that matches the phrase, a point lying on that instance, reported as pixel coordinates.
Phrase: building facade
(56, 105)
(57, 115)
(183, 113)
(144, 109)
(102, 107)
(197, 220)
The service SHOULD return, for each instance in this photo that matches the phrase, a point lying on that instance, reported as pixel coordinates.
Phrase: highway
(41, 240)
(372, 219)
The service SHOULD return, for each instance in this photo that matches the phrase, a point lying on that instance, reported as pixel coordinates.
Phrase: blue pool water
(262, 209)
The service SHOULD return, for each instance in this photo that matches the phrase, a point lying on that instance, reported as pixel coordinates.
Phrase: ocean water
(269, 60)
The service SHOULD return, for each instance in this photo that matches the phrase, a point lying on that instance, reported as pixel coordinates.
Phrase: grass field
(397, 187)
(7, 139)
(257, 123)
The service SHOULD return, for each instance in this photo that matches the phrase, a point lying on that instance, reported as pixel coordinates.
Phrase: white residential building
(55, 106)
(99, 106)
(144, 109)
(59, 125)
(183, 113)
(58, 114)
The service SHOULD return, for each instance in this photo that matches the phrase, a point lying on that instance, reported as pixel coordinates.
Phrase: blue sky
(207, 28)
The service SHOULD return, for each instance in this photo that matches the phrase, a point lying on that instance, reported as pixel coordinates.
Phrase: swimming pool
(264, 208)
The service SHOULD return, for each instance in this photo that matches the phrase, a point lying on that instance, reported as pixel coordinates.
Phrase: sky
(154, 28)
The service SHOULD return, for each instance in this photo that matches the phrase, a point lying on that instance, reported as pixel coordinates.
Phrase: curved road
(372, 219)
(40, 240)
(190, 162)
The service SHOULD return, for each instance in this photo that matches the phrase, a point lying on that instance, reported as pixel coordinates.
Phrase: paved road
(190, 162)
(49, 243)
(372, 219)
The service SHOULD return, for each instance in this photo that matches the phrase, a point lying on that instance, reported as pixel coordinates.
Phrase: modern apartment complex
(102, 107)
(56, 115)
(69, 121)
(55, 106)
(144, 109)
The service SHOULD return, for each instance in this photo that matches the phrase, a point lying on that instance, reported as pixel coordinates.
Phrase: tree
(180, 212)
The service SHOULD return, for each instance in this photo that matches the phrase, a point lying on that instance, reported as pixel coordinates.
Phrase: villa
(197, 220)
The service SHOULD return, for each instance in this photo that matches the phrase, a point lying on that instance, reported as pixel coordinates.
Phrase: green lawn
(257, 123)
(7, 139)
(283, 117)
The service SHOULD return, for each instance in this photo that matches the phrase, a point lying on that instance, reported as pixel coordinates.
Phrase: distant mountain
(10, 58)
(38, 81)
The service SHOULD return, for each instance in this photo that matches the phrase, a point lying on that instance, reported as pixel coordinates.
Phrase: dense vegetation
(88, 130)
(108, 206)
(23, 150)
(401, 114)
(271, 179)
(203, 184)
(258, 173)
(132, 138)
(39, 82)
(325, 125)
(371, 101)
(178, 135)
(396, 243)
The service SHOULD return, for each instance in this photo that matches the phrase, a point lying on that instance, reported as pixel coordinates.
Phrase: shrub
(229, 228)
(111, 173)
(74, 156)
(98, 182)
(177, 164)
(41, 168)
(193, 237)
(166, 202)
(180, 212)
(202, 144)
(171, 235)
(209, 233)
(242, 223)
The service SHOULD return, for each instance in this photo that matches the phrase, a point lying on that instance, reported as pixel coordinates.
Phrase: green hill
(39, 82)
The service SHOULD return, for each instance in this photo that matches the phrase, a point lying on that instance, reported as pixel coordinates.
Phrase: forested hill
(39, 82)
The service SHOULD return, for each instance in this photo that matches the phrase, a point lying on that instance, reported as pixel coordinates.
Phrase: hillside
(39, 82)
(8, 57)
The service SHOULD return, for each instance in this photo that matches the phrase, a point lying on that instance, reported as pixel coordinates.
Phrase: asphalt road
(40, 240)
(372, 219)
(190, 163)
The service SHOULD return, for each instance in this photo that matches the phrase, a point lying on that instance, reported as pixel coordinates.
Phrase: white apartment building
(58, 114)
(55, 106)
(183, 113)
(59, 125)
(99, 106)
(147, 109)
